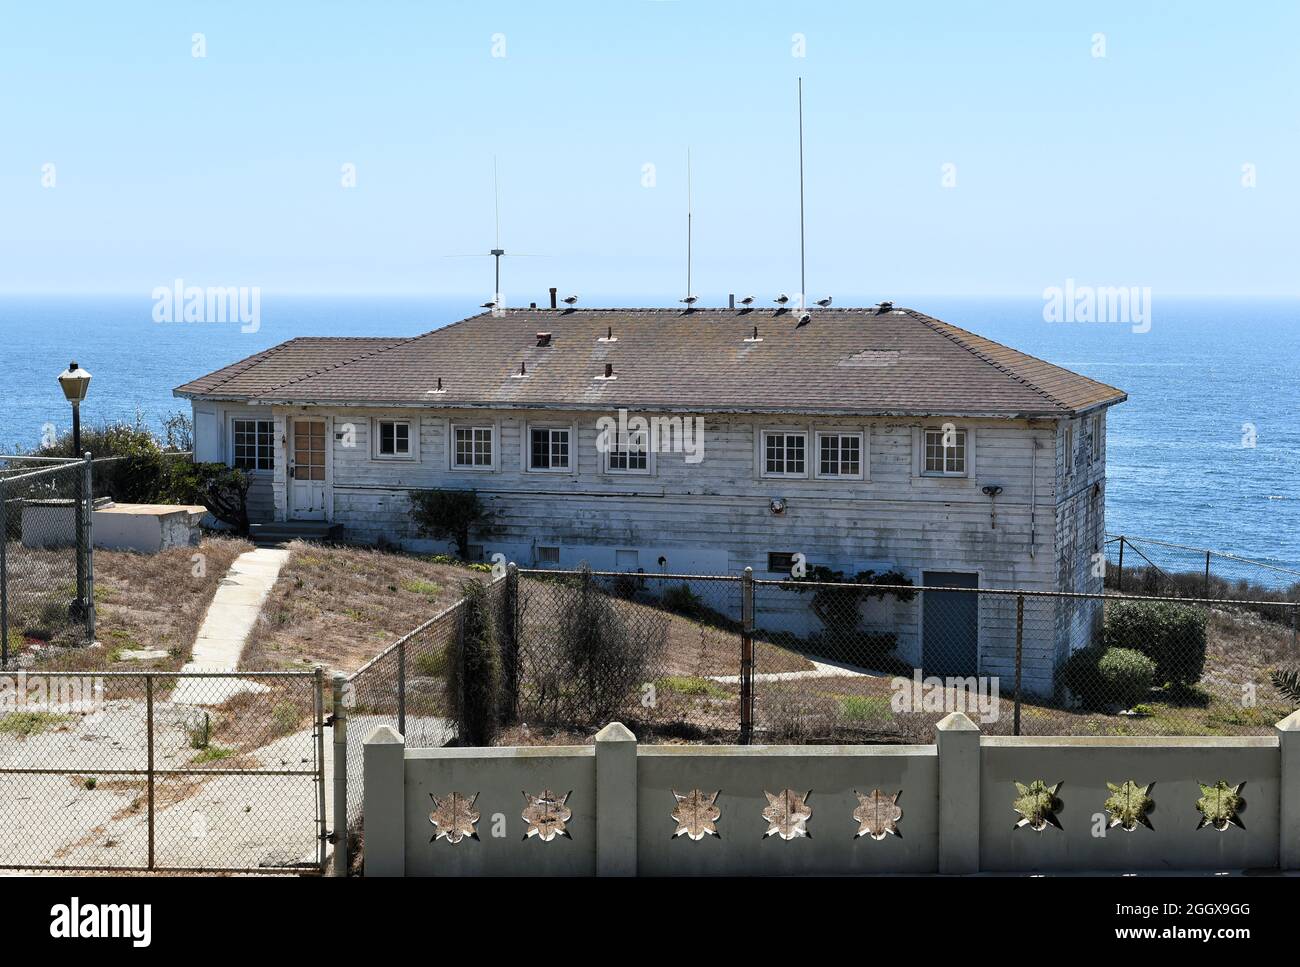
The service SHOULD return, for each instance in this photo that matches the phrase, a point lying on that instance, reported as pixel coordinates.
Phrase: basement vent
(548, 555)
(780, 562)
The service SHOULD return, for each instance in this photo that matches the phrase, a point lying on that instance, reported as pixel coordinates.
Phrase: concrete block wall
(956, 799)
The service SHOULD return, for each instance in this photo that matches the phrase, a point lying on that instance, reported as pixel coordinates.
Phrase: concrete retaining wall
(617, 801)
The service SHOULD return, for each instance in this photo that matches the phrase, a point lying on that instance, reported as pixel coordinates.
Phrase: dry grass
(151, 601)
(340, 606)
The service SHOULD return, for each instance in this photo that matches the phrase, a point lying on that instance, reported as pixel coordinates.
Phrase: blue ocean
(1206, 452)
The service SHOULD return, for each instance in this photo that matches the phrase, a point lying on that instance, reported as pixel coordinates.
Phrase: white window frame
(863, 437)
(764, 433)
(412, 453)
(257, 448)
(466, 468)
(526, 457)
(967, 437)
(1097, 432)
(647, 470)
(1069, 448)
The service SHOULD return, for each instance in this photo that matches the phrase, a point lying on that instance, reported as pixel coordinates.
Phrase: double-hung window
(393, 439)
(472, 448)
(840, 455)
(945, 452)
(548, 449)
(784, 454)
(254, 444)
(628, 453)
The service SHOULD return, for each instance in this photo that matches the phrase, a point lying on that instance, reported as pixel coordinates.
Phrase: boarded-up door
(950, 625)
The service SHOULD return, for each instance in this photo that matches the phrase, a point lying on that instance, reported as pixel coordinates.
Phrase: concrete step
(279, 532)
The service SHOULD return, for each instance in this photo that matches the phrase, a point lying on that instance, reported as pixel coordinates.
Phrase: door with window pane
(307, 466)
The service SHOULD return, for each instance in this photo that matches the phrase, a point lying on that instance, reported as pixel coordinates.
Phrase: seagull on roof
(690, 300)
(782, 299)
(747, 301)
(804, 319)
(488, 305)
(824, 303)
(569, 300)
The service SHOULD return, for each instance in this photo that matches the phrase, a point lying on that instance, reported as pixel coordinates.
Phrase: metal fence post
(510, 610)
(148, 719)
(322, 834)
(88, 543)
(339, 719)
(401, 686)
(1020, 641)
(747, 656)
(1207, 575)
(4, 576)
(1121, 563)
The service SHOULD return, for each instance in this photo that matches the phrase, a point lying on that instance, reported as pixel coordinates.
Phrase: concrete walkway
(820, 669)
(231, 616)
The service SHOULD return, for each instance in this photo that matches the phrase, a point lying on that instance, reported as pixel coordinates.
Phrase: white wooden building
(864, 438)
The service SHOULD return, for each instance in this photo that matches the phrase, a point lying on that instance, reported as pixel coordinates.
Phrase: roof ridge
(935, 324)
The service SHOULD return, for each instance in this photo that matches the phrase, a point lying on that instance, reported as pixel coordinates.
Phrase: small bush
(1172, 635)
(865, 708)
(680, 599)
(1103, 677)
(450, 515)
(474, 670)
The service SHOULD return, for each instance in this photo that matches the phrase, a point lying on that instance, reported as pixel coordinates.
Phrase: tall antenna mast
(688, 225)
(803, 283)
(498, 251)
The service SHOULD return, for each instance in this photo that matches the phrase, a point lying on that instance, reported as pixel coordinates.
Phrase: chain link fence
(162, 771)
(734, 659)
(46, 567)
(1142, 565)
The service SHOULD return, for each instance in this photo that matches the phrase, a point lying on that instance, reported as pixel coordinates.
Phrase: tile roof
(861, 361)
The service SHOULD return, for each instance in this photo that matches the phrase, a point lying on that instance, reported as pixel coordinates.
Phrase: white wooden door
(307, 469)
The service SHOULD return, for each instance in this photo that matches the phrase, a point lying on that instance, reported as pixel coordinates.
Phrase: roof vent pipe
(554, 290)
(731, 300)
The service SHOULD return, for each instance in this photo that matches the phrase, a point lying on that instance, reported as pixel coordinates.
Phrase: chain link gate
(163, 771)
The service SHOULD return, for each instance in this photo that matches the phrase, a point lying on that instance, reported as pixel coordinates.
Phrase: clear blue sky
(226, 170)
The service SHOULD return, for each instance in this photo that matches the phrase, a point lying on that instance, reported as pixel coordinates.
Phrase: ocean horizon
(1205, 452)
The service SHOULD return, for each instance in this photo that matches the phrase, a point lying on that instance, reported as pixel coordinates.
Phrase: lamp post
(75, 382)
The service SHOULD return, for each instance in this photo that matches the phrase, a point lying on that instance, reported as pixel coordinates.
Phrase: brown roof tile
(863, 361)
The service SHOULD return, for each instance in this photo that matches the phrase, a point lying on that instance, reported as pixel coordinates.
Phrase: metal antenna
(803, 284)
(688, 224)
(498, 251)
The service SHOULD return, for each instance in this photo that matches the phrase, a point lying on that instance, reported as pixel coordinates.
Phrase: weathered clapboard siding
(213, 444)
(714, 516)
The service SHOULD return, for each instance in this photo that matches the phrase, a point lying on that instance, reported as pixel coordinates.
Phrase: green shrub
(474, 670)
(680, 599)
(1172, 635)
(450, 515)
(693, 685)
(1102, 677)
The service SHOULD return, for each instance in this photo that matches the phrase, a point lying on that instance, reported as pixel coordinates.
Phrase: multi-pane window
(473, 447)
(394, 438)
(839, 454)
(945, 452)
(783, 454)
(548, 448)
(629, 453)
(254, 444)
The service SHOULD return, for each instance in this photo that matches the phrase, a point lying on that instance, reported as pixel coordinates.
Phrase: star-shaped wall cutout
(453, 817)
(877, 815)
(787, 814)
(1219, 805)
(1128, 804)
(696, 814)
(546, 814)
(1037, 805)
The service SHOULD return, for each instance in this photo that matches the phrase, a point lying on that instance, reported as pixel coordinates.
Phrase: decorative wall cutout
(546, 814)
(1037, 805)
(1219, 805)
(1128, 804)
(787, 814)
(877, 815)
(696, 814)
(453, 817)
